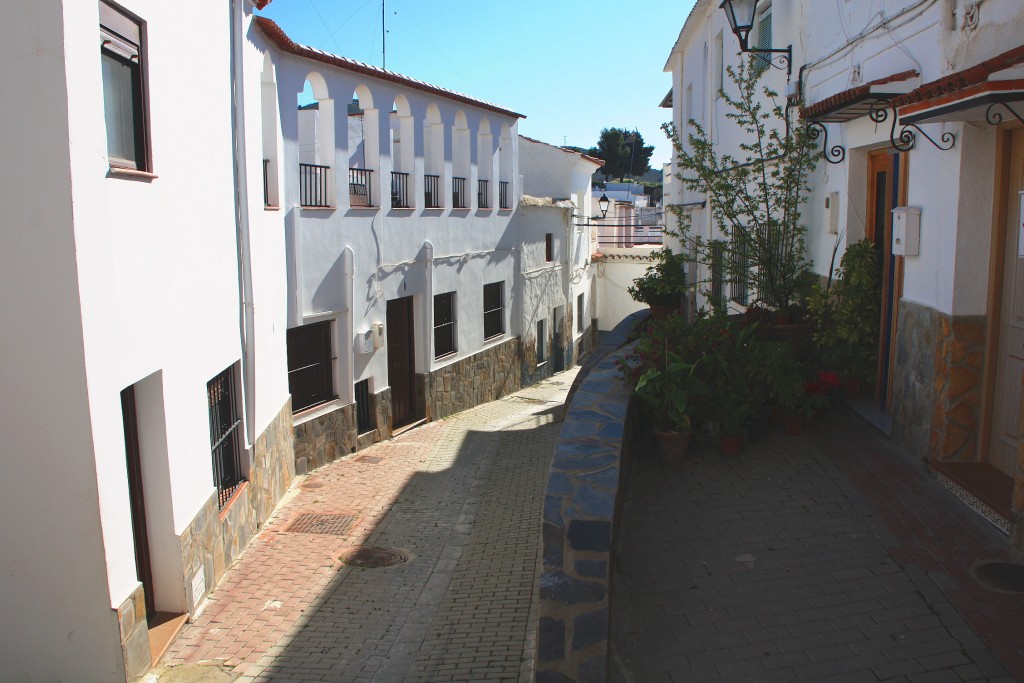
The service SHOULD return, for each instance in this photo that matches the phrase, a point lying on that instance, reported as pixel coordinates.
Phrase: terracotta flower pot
(793, 424)
(730, 444)
(672, 446)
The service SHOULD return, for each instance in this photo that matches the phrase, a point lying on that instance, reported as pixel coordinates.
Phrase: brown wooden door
(136, 499)
(1002, 451)
(883, 194)
(401, 361)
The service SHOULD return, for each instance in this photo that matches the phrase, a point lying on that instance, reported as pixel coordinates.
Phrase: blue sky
(572, 67)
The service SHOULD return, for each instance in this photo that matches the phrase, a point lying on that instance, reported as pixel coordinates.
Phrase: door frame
(409, 321)
(137, 499)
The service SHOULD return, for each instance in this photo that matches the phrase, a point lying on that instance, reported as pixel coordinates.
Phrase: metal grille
(459, 193)
(431, 191)
(364, 410)
(399, 190)
(503, 201)
(542, 343)
(738, 287)
(494, 309)
(579, 313)
(224, 447)
(310, 365)
(483, 194)
(313, 185)
(717, 274)
(444, 324)
(327, 525)
(359, 187)
(266, 182)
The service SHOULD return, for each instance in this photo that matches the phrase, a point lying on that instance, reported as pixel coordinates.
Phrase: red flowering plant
(811, 396)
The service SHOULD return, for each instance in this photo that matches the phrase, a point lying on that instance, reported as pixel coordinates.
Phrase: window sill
(271, 207)
(542, 363)
(408, 209)
(494, 337)
(318, 208)
(309, 414)
(134, 173)
(448, 356)
(461, 208)
(244, 485)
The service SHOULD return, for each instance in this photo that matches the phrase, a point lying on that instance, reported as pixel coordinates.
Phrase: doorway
(136, 499)
(885, 185)
(401, 360)
(558, 338)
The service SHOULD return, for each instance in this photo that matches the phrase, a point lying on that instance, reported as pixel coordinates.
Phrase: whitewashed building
(146, 423)
(918, 105)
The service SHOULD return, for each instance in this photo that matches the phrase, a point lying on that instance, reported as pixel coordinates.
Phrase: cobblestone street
(461, 497)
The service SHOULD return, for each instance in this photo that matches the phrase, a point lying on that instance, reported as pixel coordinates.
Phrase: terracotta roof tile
(962, 80)
(593, 160)
(277, 35)
(841, 99)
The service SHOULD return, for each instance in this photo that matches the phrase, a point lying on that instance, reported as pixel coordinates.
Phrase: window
(310, 365)
(124, 108)
(717, 274)
(494, 309)
(549, 247)
(364, 409)
(764, 39)
(542, 343)
(444, 324)
(224, 435)
(738, 290)
(719, 64)
(579, 314)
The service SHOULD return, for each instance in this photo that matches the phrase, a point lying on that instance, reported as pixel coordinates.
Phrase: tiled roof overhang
(260, 4)
(965, 95)
(856, 102)
(277, 36)
(593, 160)
(666, 101)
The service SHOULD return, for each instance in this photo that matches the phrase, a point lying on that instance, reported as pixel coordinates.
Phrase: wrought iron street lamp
(603, 203)
(741, 15)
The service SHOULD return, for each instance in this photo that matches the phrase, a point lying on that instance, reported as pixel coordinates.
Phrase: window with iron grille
(494, 309)
(549, 247)
(738, 289)
(224, 435)
(579, 313)
(444, 324)
(717, 274)
(764, 39)
(542, 343)
(364, 409)
(310, 365)
(124, 106)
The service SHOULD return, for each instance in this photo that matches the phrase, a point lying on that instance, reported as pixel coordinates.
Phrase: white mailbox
(906, 231)
(364, 342)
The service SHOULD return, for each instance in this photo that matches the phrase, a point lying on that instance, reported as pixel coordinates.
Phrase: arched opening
(402, 153)
(433, 157)
(484, 165)
(460, 161)
(316, 144)
(269, 121)
(364, 149)
(505, 155)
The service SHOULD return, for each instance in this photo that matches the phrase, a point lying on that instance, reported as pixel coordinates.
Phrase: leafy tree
(624, 153)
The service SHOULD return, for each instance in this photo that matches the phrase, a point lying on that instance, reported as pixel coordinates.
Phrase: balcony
(483, 194)
(459, 193)
(625, 236)
(503, 198)
(313, 185)
(432, 191)
(399, 190)
(359, 184)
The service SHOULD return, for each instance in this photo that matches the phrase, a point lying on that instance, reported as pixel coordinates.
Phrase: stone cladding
(580, 508)
(466, 383)
(333, 435)
(131, 619)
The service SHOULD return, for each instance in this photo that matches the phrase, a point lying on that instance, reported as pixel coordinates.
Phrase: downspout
(247, 317)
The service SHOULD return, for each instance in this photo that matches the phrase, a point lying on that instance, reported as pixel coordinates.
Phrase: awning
(968, 95)
(856, 102)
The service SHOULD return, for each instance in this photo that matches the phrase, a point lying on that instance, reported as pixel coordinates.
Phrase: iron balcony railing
(459, 193)
(629, 235)
(266, 182)
(432, 191)
(359, 187)
(399, 190)
(313, 180)
(503, 199)
(483, 194)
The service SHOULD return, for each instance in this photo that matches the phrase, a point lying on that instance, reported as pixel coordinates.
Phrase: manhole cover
(311, 523)
(1003, 576)
(375, 558)
(312, 485)
(372, 459)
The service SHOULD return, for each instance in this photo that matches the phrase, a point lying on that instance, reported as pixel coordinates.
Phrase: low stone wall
(131, 619)
(333, 435)
(482, 377)
(937, 382)
(580, 509)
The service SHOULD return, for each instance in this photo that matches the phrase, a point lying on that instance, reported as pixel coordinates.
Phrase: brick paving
(462, 497)
(825, 557)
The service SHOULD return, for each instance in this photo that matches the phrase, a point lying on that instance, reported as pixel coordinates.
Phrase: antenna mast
(384, 34)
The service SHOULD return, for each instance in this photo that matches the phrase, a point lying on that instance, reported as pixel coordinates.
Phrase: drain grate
(372, 459)
(1003, 576)
(375, 558)
(331, 525)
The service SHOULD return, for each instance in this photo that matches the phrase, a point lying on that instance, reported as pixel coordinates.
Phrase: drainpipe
(347, 334)
(247, 317)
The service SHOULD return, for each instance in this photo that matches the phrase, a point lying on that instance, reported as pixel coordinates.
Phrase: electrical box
(832, 206)
(378, 334)
(365, 342)
(906, 231)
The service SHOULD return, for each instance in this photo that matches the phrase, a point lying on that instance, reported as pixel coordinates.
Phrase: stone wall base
(335, 434)
(482, 377)
(131, 618)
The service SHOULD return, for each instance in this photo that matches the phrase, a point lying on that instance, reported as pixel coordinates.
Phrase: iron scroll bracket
(994, 118)
(835, 154)
(907, 137)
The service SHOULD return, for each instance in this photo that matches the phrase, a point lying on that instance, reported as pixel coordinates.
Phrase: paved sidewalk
(826, 557)
(462, 497)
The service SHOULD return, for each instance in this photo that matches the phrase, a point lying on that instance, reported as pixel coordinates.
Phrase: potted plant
(663, 285)
(669, 392)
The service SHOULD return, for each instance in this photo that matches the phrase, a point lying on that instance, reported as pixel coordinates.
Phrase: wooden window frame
(494, 315)
(445, 325)
(123, 40)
